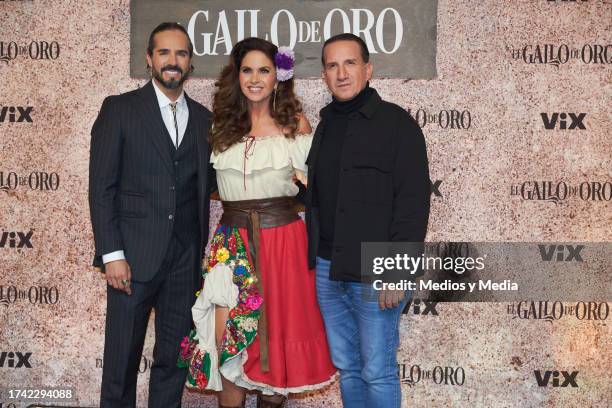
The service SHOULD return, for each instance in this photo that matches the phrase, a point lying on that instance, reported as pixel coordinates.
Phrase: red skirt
(298, 353)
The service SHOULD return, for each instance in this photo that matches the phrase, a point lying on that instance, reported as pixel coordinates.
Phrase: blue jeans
(363, 340)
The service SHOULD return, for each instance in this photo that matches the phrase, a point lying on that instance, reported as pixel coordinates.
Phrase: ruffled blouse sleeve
(262, 167)
(298, 151)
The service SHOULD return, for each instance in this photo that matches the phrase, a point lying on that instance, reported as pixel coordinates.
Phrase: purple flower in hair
(284, 61)
(284, 58)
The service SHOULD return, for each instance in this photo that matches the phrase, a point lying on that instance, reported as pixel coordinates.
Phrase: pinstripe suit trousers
(170, 294)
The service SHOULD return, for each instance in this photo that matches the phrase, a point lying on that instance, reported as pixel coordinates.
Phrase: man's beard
(173, 83)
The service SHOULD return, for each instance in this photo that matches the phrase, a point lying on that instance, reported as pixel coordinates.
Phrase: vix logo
(16, 239)
(15, 359)
(429, 307)
(568, 378)
(550, 122)
(16, 114)
(565, 253)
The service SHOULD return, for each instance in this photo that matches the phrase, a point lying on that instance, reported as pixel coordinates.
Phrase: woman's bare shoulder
(303, 125)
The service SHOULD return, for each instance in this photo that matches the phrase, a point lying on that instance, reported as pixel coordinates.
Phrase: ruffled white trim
(298, 151)
(233, 370)
(219, 289)
(276, 152)
(268, 390)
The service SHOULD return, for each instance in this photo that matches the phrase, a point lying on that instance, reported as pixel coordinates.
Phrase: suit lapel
(195, 125)
(154, 123)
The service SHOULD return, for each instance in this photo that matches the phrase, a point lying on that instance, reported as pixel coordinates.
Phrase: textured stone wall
(68, 55)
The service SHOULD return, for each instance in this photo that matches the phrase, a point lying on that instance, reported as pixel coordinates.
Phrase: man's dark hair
(168, 27)
(365, 54)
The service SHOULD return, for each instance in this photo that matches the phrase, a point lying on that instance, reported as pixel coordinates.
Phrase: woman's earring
(274, 100)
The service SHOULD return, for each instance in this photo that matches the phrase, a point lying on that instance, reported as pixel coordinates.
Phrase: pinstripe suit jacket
(132, 179)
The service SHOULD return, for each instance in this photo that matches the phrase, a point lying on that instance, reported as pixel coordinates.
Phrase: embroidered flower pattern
(228, 248)
(254, 301)
(248, 324)
(198, 365)
(222, 254)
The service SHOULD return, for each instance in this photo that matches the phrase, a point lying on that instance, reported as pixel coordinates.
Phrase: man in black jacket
(368, 181)
(149, 198)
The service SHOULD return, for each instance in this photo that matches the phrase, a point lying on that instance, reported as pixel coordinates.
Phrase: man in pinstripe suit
(149, 188)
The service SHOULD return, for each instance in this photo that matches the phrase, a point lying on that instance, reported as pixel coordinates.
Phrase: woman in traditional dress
(258, 325)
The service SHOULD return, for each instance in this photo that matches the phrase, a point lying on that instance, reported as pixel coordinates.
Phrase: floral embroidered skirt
(298, 353)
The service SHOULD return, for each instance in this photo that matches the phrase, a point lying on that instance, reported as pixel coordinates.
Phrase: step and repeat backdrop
(513, 98)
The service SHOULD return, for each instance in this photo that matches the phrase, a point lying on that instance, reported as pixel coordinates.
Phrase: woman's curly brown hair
(231, 119)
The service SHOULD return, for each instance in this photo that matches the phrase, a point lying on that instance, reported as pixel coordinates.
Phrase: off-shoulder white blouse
(261, 167)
